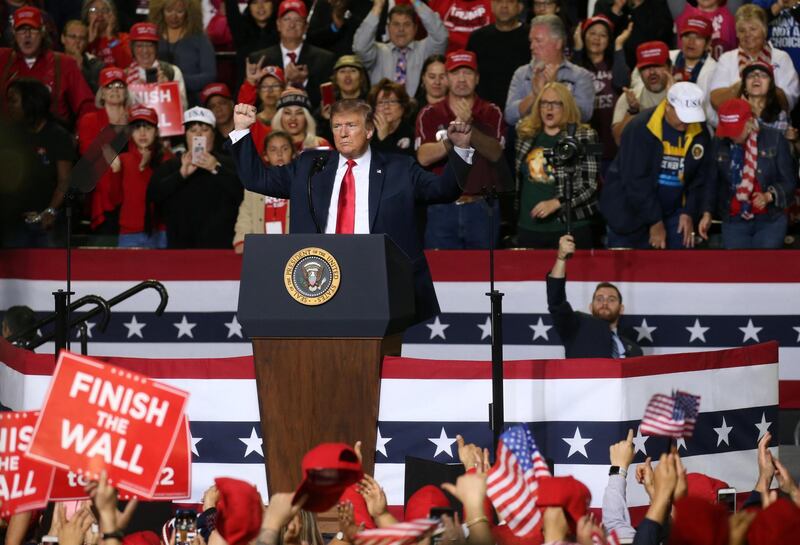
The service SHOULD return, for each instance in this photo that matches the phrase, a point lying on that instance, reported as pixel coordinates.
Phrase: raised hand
(187, 167)
(73, 531)
(566, 247)
(621, 453)
(255, 71)
(623, 36)
(373, 495)
(280, 511)
(244, 115)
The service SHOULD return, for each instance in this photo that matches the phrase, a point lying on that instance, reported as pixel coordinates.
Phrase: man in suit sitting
(356, 189)
(585, 336)
(305, 66)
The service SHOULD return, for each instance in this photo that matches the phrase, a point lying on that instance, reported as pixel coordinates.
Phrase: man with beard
(653, 63)
(587, 336)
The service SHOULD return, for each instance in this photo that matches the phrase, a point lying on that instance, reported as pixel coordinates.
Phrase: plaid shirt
(584, 188)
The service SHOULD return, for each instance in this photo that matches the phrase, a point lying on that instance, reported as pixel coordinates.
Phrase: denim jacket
(775, 171)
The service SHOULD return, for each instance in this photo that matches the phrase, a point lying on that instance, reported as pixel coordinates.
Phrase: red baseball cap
(420, 503)
(27, 15)
(276, 72)
(110, 74)
(292, 5)
(697, 24)
(360, 510)
(652, 54)
(143, 113)
(566, 492)
(214, 89)
(144, 32)
(459, 58)
(733, 116)
(328, 469)
(704, 487)
(239, 511)
(758, 65)
(602, 19)
(775, 524)
(699, 522)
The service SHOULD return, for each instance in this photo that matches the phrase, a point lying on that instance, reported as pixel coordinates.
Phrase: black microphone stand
(496, 407)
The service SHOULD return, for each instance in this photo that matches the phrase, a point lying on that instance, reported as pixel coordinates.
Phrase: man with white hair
(547, 37)
(654, 188)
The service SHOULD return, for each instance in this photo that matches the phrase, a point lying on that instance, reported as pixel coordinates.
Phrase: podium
(318, 354)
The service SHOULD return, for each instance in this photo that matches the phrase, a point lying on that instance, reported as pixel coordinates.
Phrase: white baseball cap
(687, 99)
(199, 115)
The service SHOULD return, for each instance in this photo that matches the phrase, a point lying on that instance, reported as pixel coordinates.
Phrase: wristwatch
(616, 470)
(441, 134)
(633, 111)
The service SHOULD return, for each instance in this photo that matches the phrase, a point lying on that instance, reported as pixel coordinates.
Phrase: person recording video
(542, 184)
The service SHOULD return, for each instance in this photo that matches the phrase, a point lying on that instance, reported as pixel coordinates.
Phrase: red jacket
(133, 213)
(72, 97)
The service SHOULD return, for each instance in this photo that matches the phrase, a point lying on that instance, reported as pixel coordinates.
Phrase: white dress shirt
(361, 175)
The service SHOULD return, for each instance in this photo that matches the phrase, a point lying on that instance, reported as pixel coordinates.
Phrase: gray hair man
(547, 38)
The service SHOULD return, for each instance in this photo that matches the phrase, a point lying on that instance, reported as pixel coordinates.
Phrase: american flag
(402, 533)
(675, 302)
(512, 481)
(671, 416)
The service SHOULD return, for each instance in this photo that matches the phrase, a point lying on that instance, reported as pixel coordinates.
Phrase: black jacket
(320, 65)
(200, 211)
(583, 335)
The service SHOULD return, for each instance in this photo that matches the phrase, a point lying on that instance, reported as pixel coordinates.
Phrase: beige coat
(251, 217)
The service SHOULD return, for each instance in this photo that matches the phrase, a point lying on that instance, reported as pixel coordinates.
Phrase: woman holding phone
(197, 193)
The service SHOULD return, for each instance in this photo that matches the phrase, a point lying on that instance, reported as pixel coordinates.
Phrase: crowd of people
(638, 125)
(683, 508)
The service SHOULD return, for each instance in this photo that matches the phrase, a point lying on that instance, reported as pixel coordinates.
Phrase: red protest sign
(24, 483)
(165, 99)
(99, 417)
(174, 483)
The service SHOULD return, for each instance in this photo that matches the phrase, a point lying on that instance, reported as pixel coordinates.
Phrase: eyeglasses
(550, 104)
(270, 87)
(115, 85)
(103, 10)
(28, 30)
(389, 102)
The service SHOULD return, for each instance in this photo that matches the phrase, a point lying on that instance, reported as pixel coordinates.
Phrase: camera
(567, 152)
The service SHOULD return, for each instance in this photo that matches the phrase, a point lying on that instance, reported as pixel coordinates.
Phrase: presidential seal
(311, 276)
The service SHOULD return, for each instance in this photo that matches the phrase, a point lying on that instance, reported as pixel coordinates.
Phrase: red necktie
(346, 215)
(292, 57)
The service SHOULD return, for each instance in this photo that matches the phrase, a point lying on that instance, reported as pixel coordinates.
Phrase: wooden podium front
(318, 367)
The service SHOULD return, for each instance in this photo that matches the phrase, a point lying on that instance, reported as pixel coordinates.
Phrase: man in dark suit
(356, 189)
(305, 66)
(587, 336)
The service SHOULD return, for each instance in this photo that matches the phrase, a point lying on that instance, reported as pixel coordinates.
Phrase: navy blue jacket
(396, 184)
(775, 170)
(583, 335)
(629, 199)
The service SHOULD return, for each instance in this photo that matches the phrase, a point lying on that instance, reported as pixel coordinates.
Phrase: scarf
(133, 73)
(681, 73)
(748, 184)
(765, 56)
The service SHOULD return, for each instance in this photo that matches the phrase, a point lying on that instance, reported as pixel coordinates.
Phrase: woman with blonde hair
(293, 116)
(541, 184)
(751, 29)
(184, 43)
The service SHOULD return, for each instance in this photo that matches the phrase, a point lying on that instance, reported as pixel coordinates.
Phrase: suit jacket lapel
(323, 186)
(377, 174)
